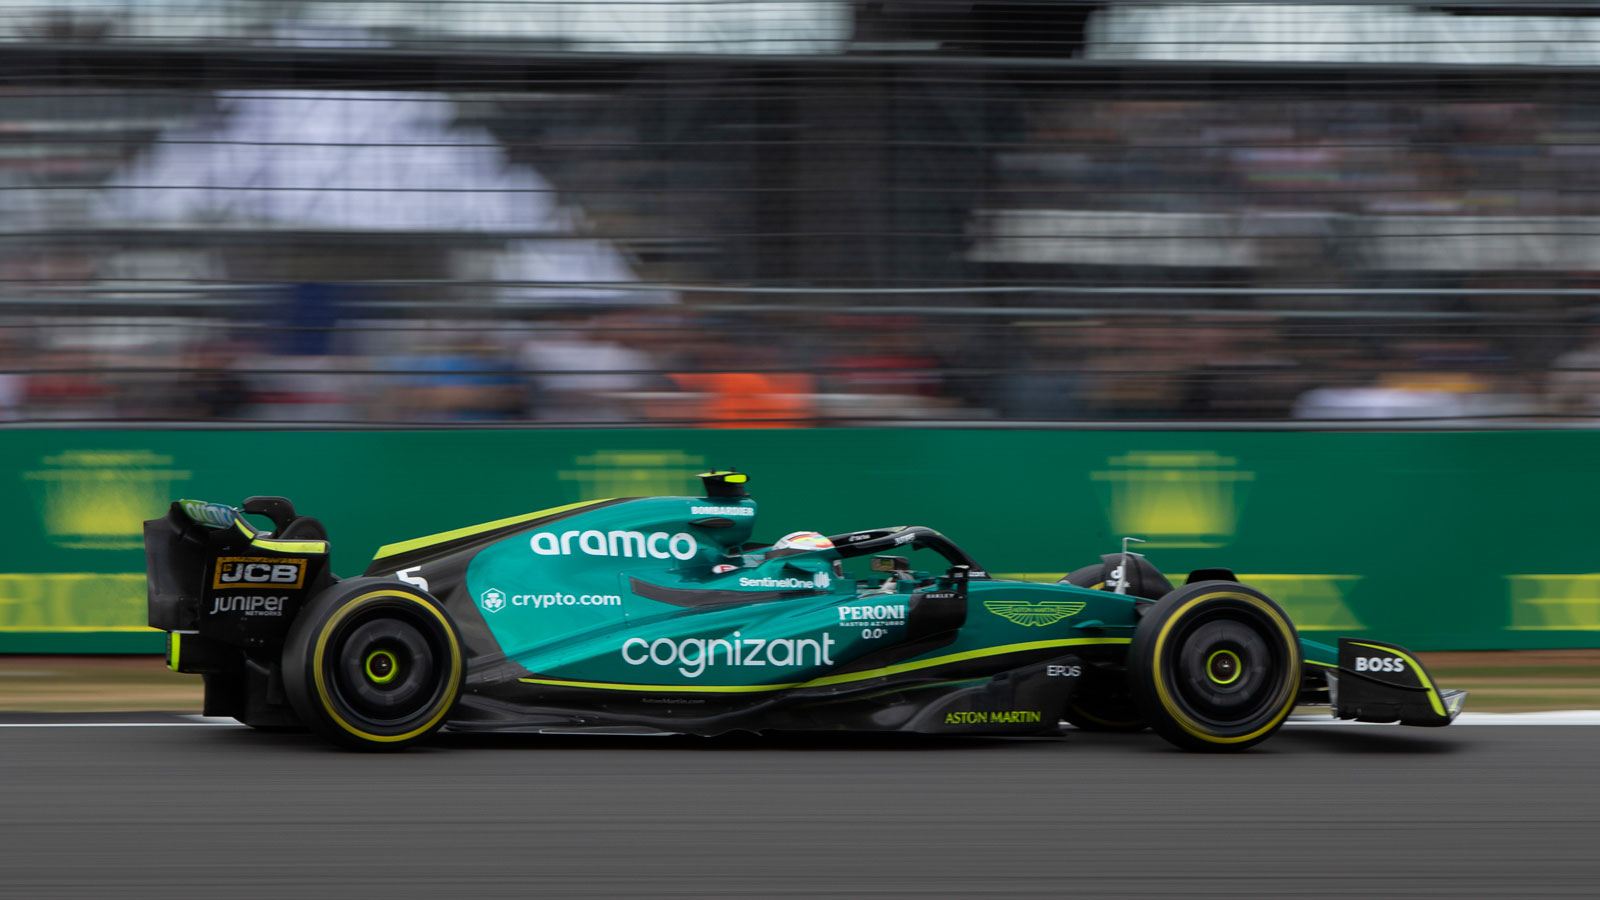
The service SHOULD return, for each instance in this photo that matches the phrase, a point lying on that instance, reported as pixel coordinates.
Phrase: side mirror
(955, 579)
(891, 564)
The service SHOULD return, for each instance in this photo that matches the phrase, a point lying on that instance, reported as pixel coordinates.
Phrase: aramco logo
(1175, 498)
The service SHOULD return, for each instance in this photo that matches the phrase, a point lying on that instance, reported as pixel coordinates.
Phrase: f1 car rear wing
(213, 574)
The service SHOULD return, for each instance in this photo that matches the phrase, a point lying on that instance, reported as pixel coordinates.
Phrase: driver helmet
(801, 541)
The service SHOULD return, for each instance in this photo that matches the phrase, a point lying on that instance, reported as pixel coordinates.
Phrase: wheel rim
(386, 667)
(381, 666)
(1223, 667)
(1226, 668)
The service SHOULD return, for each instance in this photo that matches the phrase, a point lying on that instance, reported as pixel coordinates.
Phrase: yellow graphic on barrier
(1174, 498)
(99, 499)
(1555, 602)
(1314, 602)
(72, 601)
(635, 473)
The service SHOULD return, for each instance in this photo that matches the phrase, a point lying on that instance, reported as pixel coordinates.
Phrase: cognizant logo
(694, 655)
(615, 543)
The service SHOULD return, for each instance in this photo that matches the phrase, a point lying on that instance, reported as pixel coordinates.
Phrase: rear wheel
(1215, 666)
(1092, 577)
(1144, 581)
(373, 665)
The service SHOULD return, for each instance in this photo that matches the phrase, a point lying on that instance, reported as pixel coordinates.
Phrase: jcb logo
(1379, 664)
(245, 571)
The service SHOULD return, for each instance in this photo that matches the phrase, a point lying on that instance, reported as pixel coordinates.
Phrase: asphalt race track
(1319, 811)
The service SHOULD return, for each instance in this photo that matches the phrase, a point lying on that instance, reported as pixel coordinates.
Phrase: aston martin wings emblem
(1045, 612)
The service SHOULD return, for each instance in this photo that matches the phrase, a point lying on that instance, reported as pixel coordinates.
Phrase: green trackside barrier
(1434, 540)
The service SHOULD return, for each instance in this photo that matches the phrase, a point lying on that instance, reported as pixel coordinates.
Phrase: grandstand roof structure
(1357, 33)
(367, 162)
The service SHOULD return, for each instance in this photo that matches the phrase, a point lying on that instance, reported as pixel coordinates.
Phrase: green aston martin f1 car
(659, 614)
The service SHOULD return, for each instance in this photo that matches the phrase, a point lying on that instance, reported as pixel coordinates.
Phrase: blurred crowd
(1296, 254)
(1372, 157)
(680, 367)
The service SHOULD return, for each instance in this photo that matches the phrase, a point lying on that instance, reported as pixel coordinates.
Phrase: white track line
(1553, 717)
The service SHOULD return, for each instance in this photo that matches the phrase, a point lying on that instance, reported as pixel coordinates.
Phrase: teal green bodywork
(563, 601)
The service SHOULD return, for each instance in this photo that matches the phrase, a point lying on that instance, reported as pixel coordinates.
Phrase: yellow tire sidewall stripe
(1190, 725)
(431, 540)
(344, 612)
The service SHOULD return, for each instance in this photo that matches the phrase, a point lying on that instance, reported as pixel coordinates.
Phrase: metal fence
(1543, 32)
(798, 213)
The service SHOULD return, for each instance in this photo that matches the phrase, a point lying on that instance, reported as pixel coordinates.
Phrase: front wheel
(373, 665)
(1215, 666)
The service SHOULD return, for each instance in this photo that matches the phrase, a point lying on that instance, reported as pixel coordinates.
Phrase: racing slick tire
(1094, 578)
(1091, 577)
(1215, 666)
(372, 664)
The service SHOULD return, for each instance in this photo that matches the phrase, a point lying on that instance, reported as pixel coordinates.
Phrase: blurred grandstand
(792, 213)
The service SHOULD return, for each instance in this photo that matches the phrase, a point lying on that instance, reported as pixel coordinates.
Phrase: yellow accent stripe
(443, 536)
(1422, 674)
(1312, 662)
(290, 546)
(825, 681)
(174, 647)
(277, 546)
(1291, 685)
(322, 687)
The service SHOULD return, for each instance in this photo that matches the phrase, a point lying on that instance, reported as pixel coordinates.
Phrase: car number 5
(410, 576)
